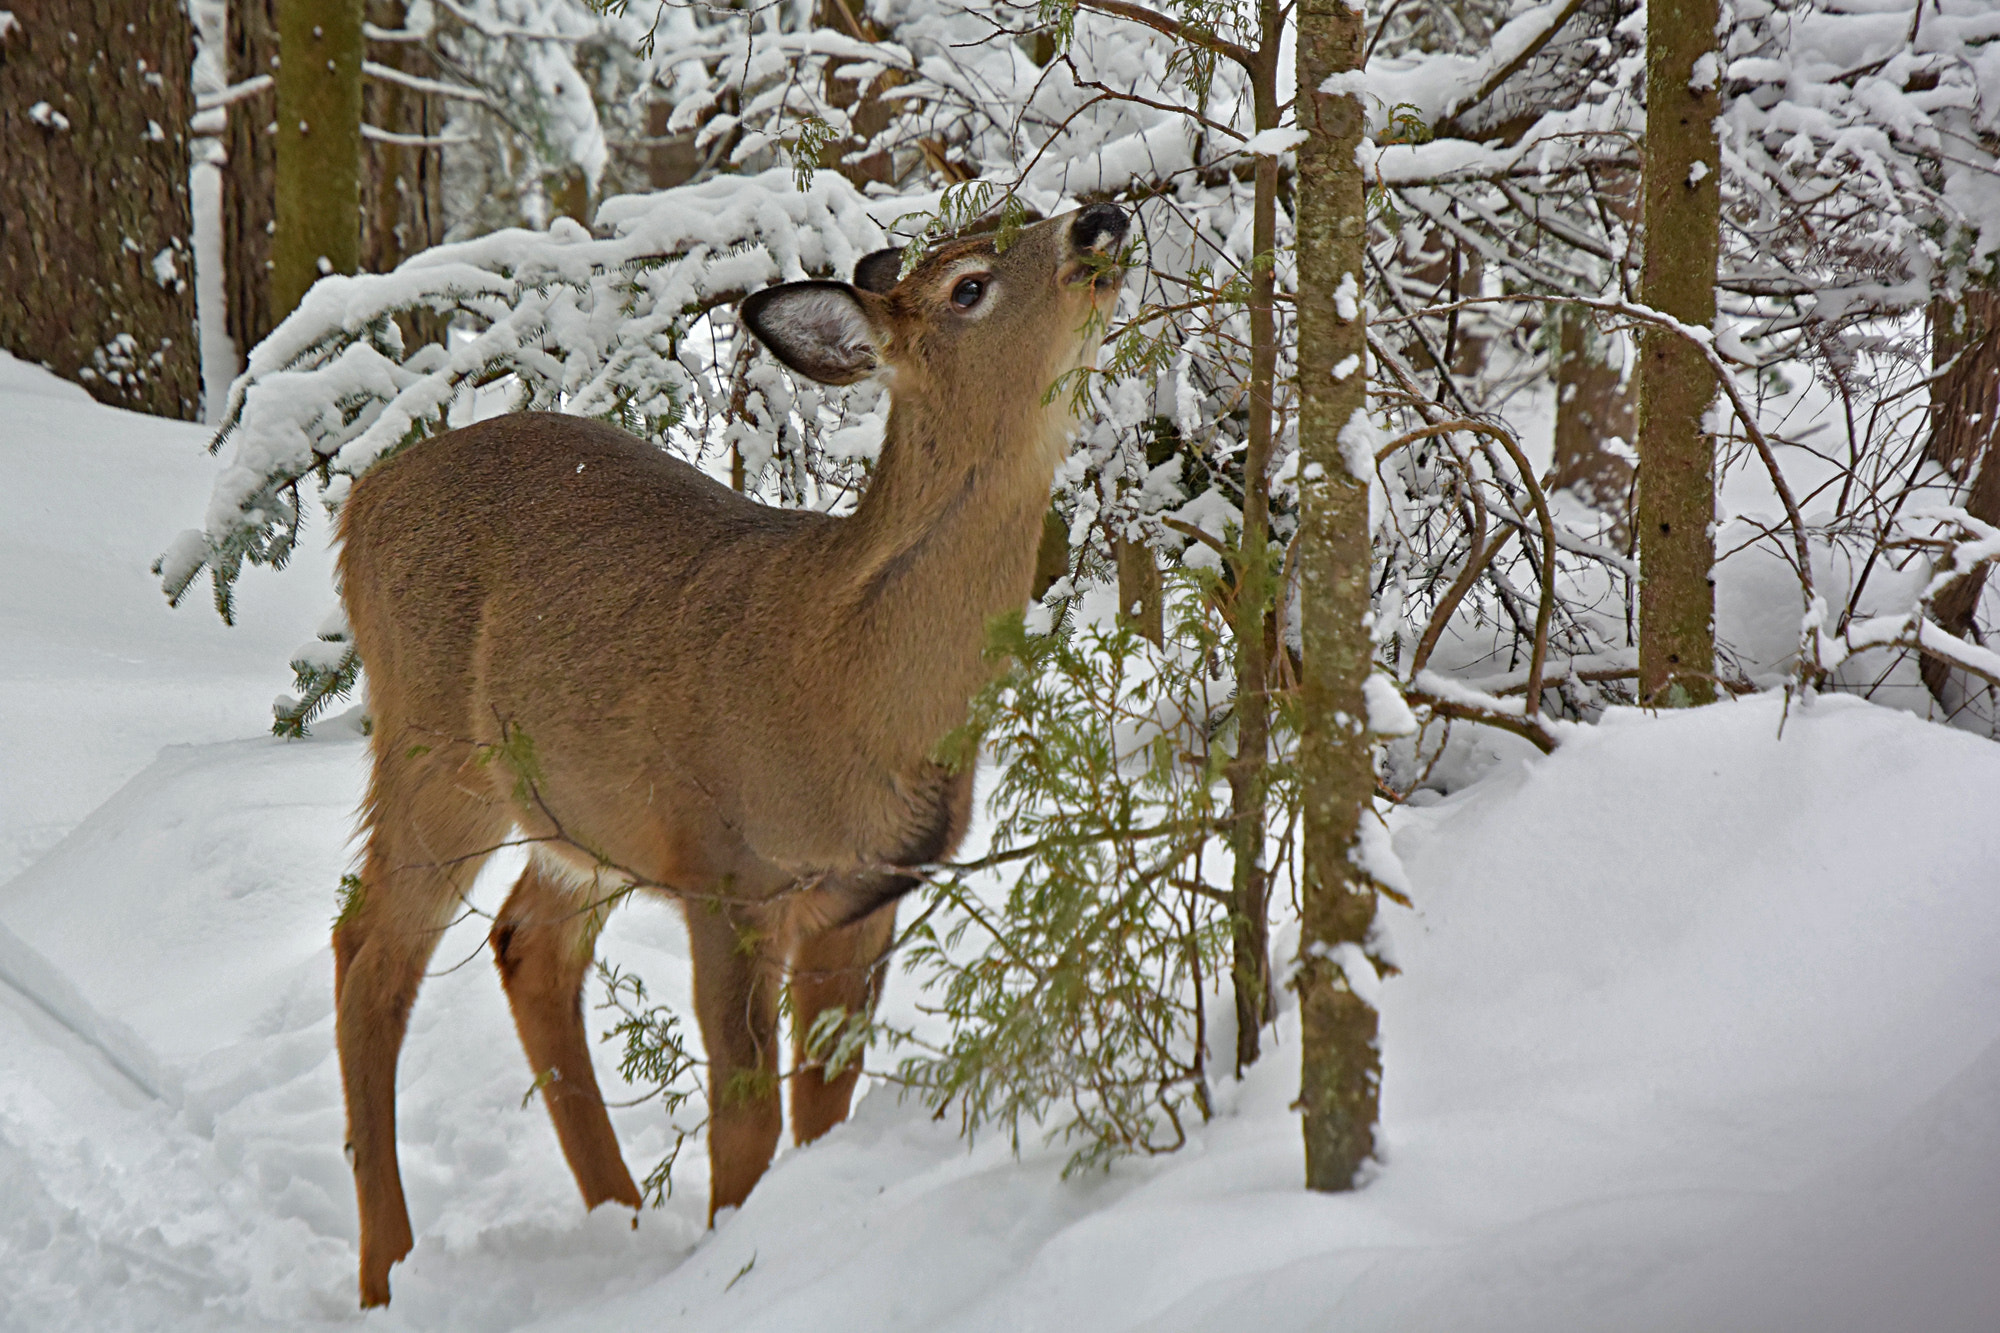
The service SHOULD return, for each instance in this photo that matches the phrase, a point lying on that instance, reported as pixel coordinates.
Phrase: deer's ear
(879, 271)
(824, 330)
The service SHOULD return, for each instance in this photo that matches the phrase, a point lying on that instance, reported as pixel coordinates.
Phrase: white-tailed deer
(660, 683)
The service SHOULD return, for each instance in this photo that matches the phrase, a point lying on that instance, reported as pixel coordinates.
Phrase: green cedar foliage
(1074, 966)
(652, 1054)
(1076, 983)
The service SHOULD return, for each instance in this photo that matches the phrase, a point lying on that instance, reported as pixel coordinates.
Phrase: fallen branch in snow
(1916, 631)
(1449, 698)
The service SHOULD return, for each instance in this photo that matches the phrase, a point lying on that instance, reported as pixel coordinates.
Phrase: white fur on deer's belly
(577, 871)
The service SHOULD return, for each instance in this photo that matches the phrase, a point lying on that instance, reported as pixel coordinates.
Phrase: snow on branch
(388, 74)
(586, 324)
(1915, 629)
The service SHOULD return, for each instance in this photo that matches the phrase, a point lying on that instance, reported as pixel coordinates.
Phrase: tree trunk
(96, 255)
(1676, 502)
(1340, 1073)
(1250, 889)
(670, 158)
(319, 147)
(1141, 591)
(865, 107)
(249, 192)
(402, 200)
(568, 192)
(1965, 421)
(1593, 408)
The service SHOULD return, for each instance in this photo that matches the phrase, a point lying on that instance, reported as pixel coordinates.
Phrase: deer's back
(556, 577)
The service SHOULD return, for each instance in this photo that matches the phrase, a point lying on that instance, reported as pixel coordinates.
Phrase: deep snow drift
(1699, 1029)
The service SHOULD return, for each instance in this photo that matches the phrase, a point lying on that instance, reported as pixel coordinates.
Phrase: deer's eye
(968, 292)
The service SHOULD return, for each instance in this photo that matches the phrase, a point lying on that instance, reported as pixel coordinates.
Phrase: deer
(575, 642)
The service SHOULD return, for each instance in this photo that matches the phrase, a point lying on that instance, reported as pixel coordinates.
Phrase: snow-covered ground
(1699, 1029)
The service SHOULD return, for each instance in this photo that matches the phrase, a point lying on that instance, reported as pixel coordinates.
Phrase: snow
(1346, 299)
(1698, 1026)
(1274, 143)
(1388, 715)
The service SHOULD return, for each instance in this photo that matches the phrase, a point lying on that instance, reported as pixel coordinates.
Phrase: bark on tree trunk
(319, 147)
(249, 192)
(402, 178)
(1340, 1067)
(96, 253)
(1676, 501)
(402, 183)
(1965, 421)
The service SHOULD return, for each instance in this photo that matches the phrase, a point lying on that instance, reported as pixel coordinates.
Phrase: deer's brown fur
(573, 638)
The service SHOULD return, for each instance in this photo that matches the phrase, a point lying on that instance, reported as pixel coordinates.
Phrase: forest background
(581, 195)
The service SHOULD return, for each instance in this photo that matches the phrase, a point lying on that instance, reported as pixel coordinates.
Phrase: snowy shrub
(1076, 961)
(607, 327)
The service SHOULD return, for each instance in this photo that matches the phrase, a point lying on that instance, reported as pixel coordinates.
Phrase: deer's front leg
(736, 987)
(842, 968)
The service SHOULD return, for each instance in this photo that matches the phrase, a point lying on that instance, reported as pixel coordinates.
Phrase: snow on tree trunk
(96, 257)
(1676, 499)
(319, 147)
(1340, 1065)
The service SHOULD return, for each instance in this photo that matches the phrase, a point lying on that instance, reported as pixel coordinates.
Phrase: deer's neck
(943, 541)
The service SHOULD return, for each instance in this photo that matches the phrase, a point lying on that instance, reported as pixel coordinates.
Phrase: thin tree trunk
(1676, 502)
(1593, 408)
(96, 259)
(1965, 421)
(1250, 888)
(1140, 590)
(1596, 401)
(568, 191)
(319, 147)
(1340, 1067)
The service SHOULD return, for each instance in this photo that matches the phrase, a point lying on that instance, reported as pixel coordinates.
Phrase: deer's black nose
(1098, 227)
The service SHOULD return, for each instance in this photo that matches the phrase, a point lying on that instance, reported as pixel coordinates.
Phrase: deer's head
(979, 331)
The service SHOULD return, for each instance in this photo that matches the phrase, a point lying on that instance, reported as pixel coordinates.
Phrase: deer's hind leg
(841, 968)
(543, 943)
(430, 828)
